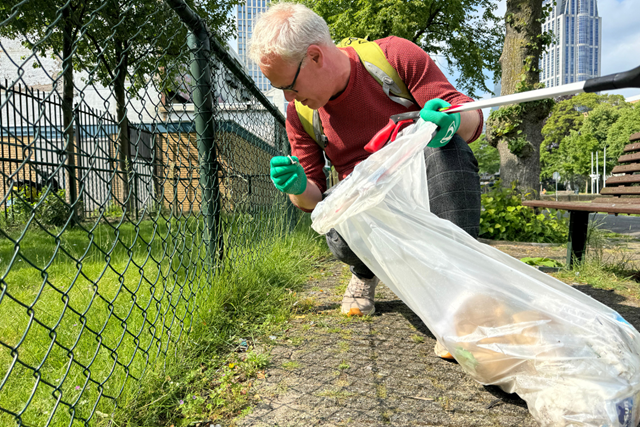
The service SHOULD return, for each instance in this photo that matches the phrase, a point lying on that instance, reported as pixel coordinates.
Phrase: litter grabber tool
(627, 79)
(390, 132)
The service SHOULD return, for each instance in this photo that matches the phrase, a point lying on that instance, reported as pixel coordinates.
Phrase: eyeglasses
(290, 87)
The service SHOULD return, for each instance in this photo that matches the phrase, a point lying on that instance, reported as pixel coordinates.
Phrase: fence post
(70, 132)
(200, 47)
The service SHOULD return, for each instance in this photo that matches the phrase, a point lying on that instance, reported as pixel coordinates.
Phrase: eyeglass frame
(295, 78)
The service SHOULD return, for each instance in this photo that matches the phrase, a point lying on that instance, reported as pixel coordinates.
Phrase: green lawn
(88, 311)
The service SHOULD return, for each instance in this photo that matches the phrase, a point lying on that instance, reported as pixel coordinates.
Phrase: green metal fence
(134, 163)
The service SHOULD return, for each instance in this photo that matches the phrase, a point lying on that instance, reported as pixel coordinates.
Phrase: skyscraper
(247, 13)
(575, 56)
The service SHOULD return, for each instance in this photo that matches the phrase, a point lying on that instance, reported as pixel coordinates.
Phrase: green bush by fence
(134, 164)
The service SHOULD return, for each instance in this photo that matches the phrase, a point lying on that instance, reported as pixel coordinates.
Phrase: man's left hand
(448, 123)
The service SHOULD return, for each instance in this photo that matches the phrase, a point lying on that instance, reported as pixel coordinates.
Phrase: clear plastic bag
(573, 360)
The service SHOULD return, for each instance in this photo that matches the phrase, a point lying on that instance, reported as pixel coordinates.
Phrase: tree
(618, 134)
(120, 43)
(575, 156)
(606, 126)
(516, 130)
(52, 25)
(570, 115)
(487, 156)
(133, 40)
(465, 32)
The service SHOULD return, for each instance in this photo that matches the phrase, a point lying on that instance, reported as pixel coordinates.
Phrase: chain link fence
(135, 166)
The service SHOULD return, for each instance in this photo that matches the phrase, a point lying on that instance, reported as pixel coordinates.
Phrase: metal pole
(604, 169)
(591, 172)
(205, 134)
(597, 175)
(199, 43)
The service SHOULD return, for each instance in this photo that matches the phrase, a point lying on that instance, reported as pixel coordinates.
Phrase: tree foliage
(487, 156)
(605, 126)
(120, 44)
(568, 115)
(466, 33)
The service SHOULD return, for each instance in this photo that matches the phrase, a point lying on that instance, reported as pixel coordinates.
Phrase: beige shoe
(442, 352)
(358, 299)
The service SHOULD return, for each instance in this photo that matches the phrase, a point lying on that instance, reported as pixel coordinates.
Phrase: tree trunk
(516, 130)
(124, 150)
(67, 113)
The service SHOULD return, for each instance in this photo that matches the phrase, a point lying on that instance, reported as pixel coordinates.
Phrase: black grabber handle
(622, 80)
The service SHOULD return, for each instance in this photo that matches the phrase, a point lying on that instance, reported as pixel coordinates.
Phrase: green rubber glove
(288, 177)
(448, 123)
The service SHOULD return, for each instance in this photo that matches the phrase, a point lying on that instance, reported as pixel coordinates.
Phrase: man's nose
(289, 96)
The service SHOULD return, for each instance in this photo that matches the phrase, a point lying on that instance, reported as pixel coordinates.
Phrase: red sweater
(358, 113)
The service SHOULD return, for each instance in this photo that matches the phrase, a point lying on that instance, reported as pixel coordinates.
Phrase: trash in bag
(573, 360)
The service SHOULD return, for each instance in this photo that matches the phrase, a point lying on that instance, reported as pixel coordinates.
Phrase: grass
(251, 301)
(91, 310)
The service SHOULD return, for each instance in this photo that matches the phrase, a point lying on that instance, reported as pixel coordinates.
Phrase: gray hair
(287, 30)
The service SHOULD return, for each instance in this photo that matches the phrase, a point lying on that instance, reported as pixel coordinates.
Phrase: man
(294, 50)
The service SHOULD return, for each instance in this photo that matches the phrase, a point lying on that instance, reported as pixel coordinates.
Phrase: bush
(504, 218)
(50, 208)
(110, 210)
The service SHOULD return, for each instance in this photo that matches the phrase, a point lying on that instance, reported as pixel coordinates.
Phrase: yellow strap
(371, 52)
(305, 114)
(367, 51)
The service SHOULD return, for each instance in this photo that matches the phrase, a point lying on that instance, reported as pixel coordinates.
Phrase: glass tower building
(247, 13)
(575, 55)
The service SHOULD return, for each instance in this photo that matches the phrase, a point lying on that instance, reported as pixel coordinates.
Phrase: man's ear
(316, 55)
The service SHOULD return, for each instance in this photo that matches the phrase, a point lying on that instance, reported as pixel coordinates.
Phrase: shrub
(52, 208)
(110, 210)
(504, 218)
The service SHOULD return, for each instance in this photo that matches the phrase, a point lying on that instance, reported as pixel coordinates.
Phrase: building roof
(634, 98)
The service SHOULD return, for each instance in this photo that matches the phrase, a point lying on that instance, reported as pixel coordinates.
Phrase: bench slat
(635, 167)
(620, 190)
(632, 147)
(585, 207)
(635, 137)
(625, 200)
(626, 158)
(625, 179)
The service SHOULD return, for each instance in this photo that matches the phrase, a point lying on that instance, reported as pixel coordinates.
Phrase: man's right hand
(288, 177)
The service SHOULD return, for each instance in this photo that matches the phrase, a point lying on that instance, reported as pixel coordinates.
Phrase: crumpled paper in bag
(573, 360)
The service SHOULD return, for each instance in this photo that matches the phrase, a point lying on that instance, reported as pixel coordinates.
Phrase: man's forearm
(469, 122)
(309, 199)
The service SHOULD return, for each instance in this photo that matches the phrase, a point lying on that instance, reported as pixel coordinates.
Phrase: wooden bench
(623, 192)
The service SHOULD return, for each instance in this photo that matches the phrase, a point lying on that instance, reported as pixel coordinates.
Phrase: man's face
(302, 81)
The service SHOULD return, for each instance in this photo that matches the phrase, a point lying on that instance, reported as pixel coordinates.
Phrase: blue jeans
(454, 194)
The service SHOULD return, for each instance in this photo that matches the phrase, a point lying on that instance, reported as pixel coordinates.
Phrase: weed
(292, 365)
(335, 393)
(343, 365)
(417, 339)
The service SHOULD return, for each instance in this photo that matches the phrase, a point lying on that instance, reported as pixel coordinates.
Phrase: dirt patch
(329, 370)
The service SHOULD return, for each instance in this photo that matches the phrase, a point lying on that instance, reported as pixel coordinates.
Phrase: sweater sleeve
(306, 150)
(421, 74)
